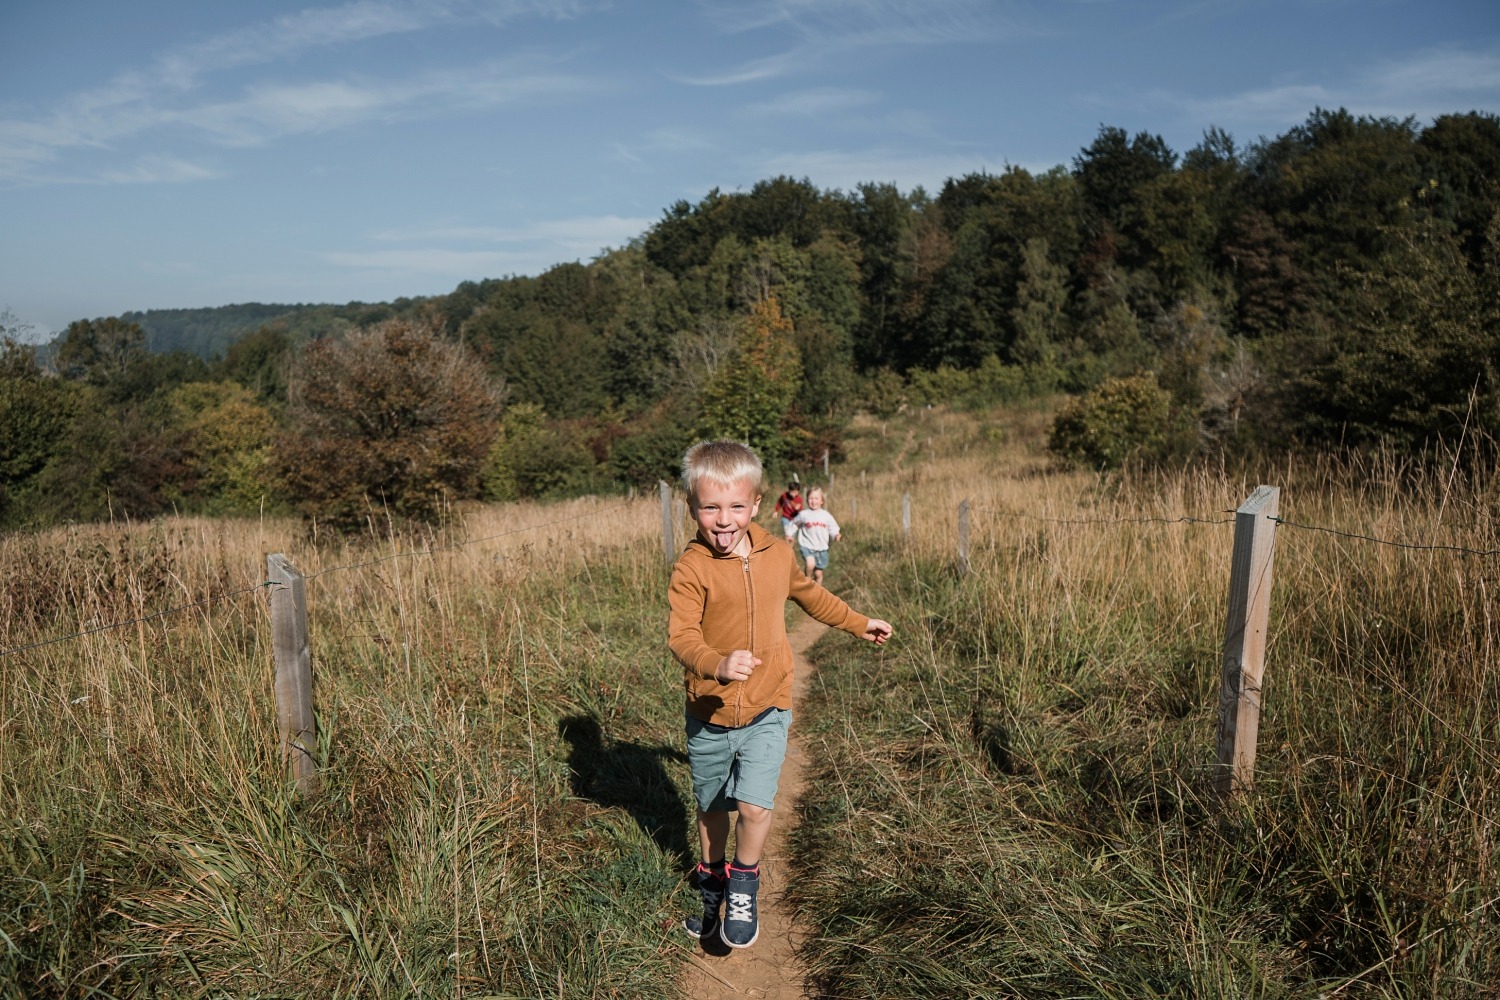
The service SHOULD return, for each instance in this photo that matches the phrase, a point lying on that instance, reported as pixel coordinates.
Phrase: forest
(1335, 287)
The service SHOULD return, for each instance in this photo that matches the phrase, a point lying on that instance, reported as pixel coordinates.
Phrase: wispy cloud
(1425, 84)
(156, 170)
(581, 235)
(891, 22)
(320, 27)
(173, 91)
(813, 103)
(462, 252)
(765, 68)
(667, 140)
(814, 30)
(268, 112)
(457, 264)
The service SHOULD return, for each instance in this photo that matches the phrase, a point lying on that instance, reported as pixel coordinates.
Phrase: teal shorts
(731, 766)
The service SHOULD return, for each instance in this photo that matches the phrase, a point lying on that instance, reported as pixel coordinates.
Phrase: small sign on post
(668, 528)
(963, 539)
(294, 705)
(1245, 640)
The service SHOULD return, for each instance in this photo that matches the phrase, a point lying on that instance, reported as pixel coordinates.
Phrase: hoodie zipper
(750, 644)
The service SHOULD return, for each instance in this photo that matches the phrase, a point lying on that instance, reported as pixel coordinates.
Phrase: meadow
(1010, 800)
(1017, 801)
(499, 814)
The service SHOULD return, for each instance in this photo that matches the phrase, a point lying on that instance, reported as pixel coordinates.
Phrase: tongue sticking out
(724, 540)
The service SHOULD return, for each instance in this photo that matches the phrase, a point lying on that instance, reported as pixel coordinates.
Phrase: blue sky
(175, 153)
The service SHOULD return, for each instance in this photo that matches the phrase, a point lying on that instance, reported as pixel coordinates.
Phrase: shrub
(534, 459)
(650, 454)
(884, 393)
(394, 416)
(227, 444)
(944, 385)
(996, 383)
(1120, 419)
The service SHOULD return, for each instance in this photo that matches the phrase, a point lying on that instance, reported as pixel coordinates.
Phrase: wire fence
(268, 584)
(1280, 521)
(1460, 550)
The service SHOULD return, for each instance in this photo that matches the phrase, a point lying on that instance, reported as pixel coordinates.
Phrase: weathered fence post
(1245, 639)
(668, 527)
(906, 514)
(294, 705)
(963, 539)
(853, 508)
(825, 463)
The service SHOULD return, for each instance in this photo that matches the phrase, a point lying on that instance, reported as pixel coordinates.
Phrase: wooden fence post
(906, 514)
(853, 508)
(825, 463)
(963, 539)
(668, 526)
(294, 704)
(1245, 639)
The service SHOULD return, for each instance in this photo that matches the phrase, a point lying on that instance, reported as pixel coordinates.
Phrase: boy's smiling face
(723, 512)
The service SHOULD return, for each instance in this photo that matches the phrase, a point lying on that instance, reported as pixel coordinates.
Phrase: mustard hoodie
(720, 603)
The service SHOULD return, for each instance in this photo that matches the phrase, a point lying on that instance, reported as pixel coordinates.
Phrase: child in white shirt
(815, 529)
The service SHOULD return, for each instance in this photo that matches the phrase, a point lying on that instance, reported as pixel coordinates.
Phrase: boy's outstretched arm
(878, 631)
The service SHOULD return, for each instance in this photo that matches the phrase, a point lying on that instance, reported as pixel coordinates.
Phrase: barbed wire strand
(1414, 546)
(1186, 519)
(1420, 547)
(469, 541)
(332, 569)
(144, 618)
(1127, 520)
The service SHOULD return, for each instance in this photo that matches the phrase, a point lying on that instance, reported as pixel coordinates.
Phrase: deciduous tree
(394, 417)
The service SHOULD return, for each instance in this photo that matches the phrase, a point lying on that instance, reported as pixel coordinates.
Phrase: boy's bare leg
(713, 834)
(750, 833)
(808, 568)
(818, 576)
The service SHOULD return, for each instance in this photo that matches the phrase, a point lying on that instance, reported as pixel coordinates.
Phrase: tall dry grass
(501, 813)
(1014, 800)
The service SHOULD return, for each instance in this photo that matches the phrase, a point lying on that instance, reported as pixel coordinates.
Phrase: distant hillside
(209, 332)
(205, 332)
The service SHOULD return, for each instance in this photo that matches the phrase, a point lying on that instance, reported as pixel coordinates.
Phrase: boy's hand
(738, 666)
(878, 631)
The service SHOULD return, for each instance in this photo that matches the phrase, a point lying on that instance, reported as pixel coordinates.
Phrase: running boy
(788, 505)
(816, 528)
(728, 630)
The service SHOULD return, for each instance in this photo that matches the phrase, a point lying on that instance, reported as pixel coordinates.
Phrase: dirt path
(769, 969)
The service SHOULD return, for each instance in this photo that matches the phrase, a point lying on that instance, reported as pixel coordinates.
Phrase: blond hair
(819, 491)
(723, 462)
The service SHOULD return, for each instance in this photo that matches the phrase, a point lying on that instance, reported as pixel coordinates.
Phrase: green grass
(1014, 798)
(502, 813)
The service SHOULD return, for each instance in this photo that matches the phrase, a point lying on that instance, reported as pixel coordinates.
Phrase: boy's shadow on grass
(629, 776)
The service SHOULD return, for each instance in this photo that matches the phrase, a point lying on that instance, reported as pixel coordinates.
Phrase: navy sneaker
(711, 888)
(741, 924)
